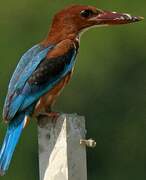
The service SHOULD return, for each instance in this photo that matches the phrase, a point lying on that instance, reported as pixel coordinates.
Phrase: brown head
(74, 19)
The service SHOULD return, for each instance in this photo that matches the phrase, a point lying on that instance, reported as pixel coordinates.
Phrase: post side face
(77, 168)
(61, 157)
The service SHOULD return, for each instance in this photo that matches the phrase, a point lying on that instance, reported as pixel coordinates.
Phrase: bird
(45, 69)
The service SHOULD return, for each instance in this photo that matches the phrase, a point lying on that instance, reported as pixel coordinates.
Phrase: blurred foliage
(108, 87)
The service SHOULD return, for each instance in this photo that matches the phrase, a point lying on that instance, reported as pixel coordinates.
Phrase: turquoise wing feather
(26, 92)
(27, 64)
(25, 59)
(33, 92)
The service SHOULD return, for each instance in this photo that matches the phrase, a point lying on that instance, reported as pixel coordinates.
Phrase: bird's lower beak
(114, 18)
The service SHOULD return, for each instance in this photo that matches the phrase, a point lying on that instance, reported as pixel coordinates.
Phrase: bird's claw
(52, 115)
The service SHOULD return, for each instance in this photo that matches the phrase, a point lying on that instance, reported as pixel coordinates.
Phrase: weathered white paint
(61, 157)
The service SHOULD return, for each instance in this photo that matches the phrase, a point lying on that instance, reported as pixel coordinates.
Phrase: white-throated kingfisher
(45, 69)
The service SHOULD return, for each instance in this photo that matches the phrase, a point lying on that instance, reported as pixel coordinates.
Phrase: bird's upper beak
(114, 18)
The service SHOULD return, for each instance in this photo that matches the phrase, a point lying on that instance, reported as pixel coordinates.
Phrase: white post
(61, 156)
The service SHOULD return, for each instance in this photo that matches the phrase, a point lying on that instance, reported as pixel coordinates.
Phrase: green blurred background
(108, 87)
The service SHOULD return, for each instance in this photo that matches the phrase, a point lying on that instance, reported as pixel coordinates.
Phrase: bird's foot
(51, 115)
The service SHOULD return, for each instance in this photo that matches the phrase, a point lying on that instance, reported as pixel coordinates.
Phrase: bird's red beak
(114, 18)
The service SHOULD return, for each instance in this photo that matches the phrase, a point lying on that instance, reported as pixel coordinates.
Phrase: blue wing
(33, 91)
(30, 87)
(27, 64)
(25, 59)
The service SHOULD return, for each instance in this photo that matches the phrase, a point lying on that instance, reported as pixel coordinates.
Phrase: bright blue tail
(13, 133)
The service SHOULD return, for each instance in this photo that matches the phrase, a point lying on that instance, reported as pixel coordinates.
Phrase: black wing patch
(49, 69)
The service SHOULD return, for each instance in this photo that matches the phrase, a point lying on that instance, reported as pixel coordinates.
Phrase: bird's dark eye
(86, 13)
